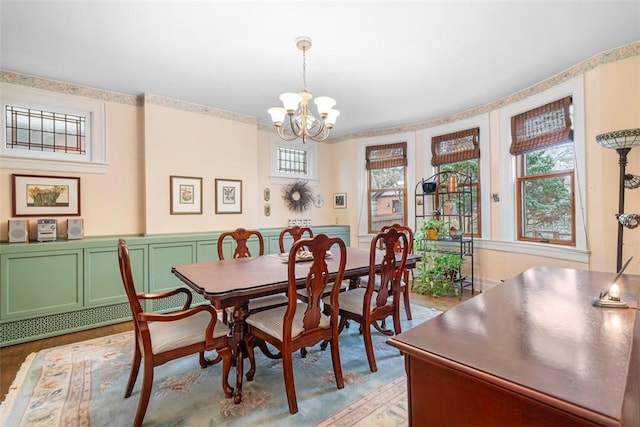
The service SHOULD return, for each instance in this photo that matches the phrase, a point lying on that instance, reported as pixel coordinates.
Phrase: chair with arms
(405, 286)
(368, 307)
(302, 324)
(160, 338)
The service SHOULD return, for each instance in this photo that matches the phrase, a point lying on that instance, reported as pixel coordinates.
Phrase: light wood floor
(11, 357)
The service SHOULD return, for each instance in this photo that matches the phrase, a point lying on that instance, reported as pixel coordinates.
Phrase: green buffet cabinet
(53, 288)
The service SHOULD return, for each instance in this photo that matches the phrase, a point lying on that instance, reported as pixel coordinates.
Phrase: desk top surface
(540, 331)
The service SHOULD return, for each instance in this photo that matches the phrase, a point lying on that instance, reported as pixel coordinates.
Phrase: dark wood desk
(531, 351)
(233, 282)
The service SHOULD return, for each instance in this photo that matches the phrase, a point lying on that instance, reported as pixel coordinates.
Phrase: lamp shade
(277, 114)
(626, 138)
(290, 101)
(324, 104)
(330, 120)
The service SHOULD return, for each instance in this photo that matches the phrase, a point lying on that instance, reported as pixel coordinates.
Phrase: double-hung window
(542, 141)
(387, 192)
(459, 152)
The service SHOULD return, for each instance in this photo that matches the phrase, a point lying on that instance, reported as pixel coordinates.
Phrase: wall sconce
(622, 141)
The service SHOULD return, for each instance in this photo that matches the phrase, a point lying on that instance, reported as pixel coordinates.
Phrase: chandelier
(303, 124)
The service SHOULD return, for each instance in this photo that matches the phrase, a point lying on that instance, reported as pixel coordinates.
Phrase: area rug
(83, 384)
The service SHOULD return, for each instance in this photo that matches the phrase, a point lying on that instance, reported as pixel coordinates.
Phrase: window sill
(53, 165)
(567, 253)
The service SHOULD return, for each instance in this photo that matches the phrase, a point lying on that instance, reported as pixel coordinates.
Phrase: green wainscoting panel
(53, 288)
(40, 283)
(164, 256)
(103, 284)
(207, 250)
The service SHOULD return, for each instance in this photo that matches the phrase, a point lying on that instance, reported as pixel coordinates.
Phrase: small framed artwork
(340, 200)
(186, 195)
(228, 196)
(37, 195)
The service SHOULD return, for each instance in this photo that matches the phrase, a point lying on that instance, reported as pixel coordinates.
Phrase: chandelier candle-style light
(302, 124)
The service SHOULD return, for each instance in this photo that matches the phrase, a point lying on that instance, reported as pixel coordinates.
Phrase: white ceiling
(387, 63)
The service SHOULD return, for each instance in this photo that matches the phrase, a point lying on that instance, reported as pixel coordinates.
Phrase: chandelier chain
(304, 69)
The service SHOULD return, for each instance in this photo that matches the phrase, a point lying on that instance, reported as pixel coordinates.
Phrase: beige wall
(150, 142)
(612, 98)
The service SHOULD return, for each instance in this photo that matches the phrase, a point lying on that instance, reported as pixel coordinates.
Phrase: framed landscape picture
(228, 196)
(38, 195)
(185, 195)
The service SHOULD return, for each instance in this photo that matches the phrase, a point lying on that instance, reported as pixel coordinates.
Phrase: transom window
(291, 160)
(51, 131)
(31, 129)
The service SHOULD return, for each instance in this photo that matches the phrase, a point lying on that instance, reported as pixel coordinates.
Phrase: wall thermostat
(47, 230)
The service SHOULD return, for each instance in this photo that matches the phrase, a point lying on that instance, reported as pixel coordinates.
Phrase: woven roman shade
(455, 147)
(541, 127)
(386, 156)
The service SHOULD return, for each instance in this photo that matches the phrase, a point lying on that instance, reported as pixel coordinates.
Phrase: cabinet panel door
(102, 281)
(38, 283)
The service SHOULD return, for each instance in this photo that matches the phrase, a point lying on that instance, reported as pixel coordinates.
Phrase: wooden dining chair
(366, 306)
(405, 284)
(160, 338)
(240, 237)
(303, 324)
(296, 232)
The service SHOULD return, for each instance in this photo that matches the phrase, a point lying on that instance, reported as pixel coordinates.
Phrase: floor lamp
(623, 141)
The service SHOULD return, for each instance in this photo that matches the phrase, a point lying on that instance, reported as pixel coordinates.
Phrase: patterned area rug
(83, 384)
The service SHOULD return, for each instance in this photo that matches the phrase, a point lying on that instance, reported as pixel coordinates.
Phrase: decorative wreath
(298, 196)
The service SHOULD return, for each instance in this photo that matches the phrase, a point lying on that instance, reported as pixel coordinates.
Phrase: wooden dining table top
(231, 281)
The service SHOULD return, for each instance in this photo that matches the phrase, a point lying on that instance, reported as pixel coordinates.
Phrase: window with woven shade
(386, 166)
(542, 127)
(542, 141)
(459, 153)
(455, 147)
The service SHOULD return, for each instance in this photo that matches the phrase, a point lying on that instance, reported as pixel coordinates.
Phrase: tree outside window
(386, 166)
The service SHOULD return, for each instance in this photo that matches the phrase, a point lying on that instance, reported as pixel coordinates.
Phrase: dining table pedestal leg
(240, 313)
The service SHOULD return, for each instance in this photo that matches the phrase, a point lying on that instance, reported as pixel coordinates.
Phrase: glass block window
(291, 160)
(37, 130)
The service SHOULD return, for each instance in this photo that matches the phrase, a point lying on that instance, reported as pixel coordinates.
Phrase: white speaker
(75, 229)
(18, 231)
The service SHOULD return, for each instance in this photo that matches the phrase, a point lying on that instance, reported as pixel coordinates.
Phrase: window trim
(311, 147)
(506, 231)
(95, 160)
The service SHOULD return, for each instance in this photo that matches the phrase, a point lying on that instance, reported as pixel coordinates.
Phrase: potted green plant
(437, 273)
(433, 228)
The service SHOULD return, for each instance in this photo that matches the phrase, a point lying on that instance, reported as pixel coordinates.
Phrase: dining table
(233, 282)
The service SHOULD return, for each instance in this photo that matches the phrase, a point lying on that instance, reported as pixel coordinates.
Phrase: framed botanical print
(228, 196)
(186, 195)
